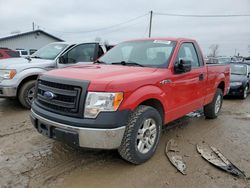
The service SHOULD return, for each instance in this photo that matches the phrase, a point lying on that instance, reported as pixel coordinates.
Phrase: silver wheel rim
(31, 95)
(146, 136)
(245, 92)
(218, 104)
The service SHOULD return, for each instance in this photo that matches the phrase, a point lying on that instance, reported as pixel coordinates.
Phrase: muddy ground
(28, 159)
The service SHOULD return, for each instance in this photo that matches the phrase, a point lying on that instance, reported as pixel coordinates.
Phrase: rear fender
(212, 91)
(220, 78)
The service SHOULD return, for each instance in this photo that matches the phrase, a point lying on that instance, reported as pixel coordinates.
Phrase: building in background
(28, 42)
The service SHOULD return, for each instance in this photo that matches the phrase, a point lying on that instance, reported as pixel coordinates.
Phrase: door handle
(201, 77)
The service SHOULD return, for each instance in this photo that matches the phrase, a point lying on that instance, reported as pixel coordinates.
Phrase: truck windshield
(149, 53)
(238, 69)
(49, 52)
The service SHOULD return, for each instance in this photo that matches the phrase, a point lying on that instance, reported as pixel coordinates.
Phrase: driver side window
(187, 52)
(80, 53)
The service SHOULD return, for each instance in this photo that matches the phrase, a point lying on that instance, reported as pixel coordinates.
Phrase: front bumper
(109, 138)
(236, 91)
(7, 91)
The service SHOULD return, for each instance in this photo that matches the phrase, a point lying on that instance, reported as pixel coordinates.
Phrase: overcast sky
(70, 19)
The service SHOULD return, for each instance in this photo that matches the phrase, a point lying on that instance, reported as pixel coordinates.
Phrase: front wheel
(245, 92)
(27, 93)
(212, 109)
(142, 135)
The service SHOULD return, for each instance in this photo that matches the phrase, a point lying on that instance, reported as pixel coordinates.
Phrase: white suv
(22, 52)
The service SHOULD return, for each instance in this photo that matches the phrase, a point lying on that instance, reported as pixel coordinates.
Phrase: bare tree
(98, 39)
(214, 50)
(106, 42)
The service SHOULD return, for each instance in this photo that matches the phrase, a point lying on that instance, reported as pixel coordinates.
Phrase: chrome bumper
(8, 91)
(88, 138)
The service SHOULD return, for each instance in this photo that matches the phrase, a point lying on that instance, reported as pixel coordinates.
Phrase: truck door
(80, 54)
(188, 89)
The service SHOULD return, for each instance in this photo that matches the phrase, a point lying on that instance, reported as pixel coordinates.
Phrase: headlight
(97, 102)
(235, 83)
(7, 73)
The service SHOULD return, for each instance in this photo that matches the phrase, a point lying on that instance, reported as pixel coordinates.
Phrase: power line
(109, 31)
(203, 15)
(120, 28)
(104, 28)
(141, 16)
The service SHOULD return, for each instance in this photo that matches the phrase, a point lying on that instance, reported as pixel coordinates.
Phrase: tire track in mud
(45, 176)
(43, 160)
(28, 159)
(16, 132)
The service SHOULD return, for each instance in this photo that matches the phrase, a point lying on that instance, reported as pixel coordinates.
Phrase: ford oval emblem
(49, 95)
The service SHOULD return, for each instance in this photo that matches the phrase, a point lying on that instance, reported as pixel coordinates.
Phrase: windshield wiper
(99, 62)
(127, 63)
(28, 58)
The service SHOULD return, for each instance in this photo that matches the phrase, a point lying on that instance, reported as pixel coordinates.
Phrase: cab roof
(165, 38)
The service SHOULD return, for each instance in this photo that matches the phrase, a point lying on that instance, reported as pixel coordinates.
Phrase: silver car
(18, 75)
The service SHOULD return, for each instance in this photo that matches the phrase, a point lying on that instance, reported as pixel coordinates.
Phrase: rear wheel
(27, 93)
(142, 135)
(245, 92)
(212, 110)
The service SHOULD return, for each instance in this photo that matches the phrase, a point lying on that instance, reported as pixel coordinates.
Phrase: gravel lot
(28, 159)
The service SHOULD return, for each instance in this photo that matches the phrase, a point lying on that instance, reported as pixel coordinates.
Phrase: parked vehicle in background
(18, 75)
(22, 52)
(31, 51)
(237, 59)
(239, 80)
(219, 60)
(8, 53)
(122, 101)
(246, 61)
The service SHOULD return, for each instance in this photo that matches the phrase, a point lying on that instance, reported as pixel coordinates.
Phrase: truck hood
(109, 77)
(22, 63)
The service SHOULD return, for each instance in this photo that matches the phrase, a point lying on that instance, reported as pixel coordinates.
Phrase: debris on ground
(215, 157)
(174, 157)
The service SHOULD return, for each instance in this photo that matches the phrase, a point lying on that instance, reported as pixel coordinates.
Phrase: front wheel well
(157, 105)
(33, 77)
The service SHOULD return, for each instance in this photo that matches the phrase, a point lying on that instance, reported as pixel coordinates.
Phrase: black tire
(210, 110)
(23, 94)
(244, 95)
(128, 148)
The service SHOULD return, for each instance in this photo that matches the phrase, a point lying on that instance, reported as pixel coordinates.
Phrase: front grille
(65, 100)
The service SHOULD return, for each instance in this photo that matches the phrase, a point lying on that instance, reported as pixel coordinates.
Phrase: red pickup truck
(124, 98)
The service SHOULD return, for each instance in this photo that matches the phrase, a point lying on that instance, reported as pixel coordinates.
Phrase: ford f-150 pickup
(122, 101)
(18, 75)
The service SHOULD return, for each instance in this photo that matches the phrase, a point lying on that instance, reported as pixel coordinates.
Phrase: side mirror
(182, 66)
(61, 60)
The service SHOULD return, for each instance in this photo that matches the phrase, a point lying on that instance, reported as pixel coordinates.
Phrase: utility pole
(150, 24)
(33, 26)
